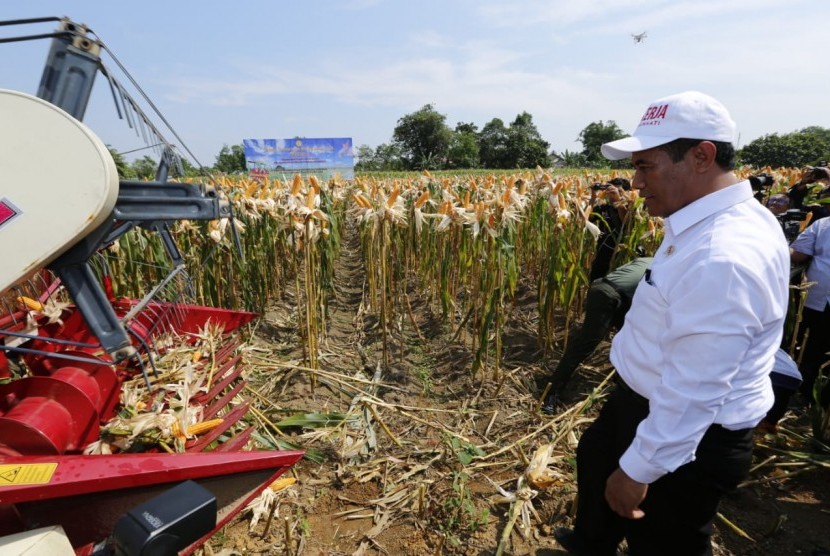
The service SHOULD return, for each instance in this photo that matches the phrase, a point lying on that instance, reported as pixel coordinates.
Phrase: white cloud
(567, 63)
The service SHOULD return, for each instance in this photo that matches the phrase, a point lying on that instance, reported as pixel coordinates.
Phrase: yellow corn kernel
(31, 304)
(422, 199)
(198, 428)
(392, 197)
(282, 483)
(297, 184)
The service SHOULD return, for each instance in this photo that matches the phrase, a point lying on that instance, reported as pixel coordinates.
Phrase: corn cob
(422, 199)
(197, 428)
(282, 483)
(31, 304)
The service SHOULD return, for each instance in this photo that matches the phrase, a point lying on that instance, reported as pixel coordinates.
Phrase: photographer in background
(609, 217)
(790, 219)
(760, 184)
(798, 193)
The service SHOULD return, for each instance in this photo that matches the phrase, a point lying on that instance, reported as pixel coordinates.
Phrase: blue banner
(282, 158)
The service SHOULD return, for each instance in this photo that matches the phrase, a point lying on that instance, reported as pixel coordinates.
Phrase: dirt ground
(414, 471)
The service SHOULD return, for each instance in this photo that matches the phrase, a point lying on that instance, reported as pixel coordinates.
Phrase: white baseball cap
(689, 115)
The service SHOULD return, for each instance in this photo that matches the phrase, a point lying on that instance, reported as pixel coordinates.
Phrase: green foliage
(570, 159)
(423, 138)
(125, 172)
(385, 158)
(525, 146)
(797, 149)
(365, 159)
(460, 514)
(313, 420)
(464, 450)
(423, 141)
(190, 171)
(463, 151)
(231, 160)
(519, 145)
(145, 168)
(390, 157)
(593, 137)
(492, 145)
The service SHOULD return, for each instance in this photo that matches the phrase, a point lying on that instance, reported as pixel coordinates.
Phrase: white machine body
(58, 182)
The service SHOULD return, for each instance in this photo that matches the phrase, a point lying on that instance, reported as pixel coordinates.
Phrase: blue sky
(275, 69)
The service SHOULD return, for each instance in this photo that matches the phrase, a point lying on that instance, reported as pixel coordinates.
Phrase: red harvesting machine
(67, 345)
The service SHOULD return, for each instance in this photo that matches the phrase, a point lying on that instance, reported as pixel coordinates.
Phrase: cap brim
(622, 148)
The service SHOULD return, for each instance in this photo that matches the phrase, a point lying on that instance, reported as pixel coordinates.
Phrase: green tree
(592, 138)
(231, 159)
(492, 145)
(525, 146)
(463, 152)
(190, 170)
(365, 156)
(145, 168)
(466, 127)
(423, 138)
(389, 157)
(125, 172)
(569, 159)
(800, 148)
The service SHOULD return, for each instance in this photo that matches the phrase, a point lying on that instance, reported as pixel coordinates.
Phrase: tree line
(230, 160)
(423, 140)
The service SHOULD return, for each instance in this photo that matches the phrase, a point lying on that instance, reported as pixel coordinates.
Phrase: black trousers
(815, 351)
(679, 507)
(604, 307)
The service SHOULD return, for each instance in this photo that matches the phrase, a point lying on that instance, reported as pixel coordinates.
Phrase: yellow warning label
(26, 474)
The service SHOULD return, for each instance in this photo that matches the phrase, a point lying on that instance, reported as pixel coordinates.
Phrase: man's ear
(703, 156)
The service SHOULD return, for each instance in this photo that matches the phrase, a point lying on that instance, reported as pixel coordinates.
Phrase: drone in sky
(638, 37)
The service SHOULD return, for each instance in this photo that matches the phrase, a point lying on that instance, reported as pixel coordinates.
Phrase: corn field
(461, 243)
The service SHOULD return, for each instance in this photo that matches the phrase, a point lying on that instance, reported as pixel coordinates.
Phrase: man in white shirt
(814, 242)
(697, 347)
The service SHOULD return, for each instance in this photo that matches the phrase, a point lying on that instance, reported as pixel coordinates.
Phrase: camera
(599, 186)
(817, 172)
(790, 223)
(760, 181)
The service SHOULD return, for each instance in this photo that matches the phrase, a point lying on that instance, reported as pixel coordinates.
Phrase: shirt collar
(708, 205)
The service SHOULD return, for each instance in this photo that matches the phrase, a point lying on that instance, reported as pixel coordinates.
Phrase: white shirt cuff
(633, 464)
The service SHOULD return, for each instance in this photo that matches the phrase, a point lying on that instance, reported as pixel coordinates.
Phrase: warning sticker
(8, 211)
(26, 474)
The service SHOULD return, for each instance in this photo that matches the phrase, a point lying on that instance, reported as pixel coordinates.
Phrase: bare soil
(393, 480)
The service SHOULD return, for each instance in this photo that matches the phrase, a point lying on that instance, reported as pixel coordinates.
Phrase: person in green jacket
(609, 299)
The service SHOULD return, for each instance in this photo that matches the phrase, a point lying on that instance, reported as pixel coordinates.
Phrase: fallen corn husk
(537, 473)
(262, 504)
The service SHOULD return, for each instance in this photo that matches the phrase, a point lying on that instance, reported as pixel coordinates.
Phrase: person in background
(822, 208)
(778, 204)
(799, 192)
(607, 302)
(786, 378)
(697, 347)
(813, 246)
(609, 217)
